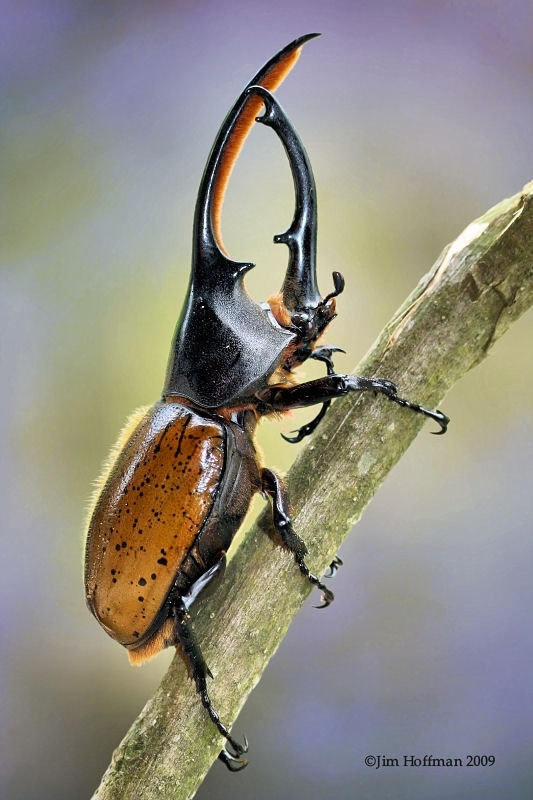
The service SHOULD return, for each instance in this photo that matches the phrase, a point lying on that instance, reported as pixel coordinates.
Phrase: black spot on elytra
(162, 561)
(142, 581)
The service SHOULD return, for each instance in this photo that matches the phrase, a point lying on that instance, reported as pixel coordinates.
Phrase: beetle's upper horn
(228, 144)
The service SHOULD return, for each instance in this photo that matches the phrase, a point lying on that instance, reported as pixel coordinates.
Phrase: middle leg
(273, 487)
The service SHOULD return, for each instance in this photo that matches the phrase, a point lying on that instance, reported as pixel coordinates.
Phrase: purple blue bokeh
(417, 117)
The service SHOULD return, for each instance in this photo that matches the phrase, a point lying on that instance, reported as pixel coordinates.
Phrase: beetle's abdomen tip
(163, 638)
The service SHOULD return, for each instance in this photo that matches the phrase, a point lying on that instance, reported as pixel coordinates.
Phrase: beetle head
(226, 345)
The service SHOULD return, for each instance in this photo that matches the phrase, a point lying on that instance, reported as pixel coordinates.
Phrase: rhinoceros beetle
(182, 475)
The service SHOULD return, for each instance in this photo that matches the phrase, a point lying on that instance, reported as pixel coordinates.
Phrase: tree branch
(480, 284)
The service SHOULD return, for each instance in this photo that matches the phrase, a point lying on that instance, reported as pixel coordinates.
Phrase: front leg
(283, 398)
(324, 354)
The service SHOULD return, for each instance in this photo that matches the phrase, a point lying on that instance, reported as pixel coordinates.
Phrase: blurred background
(417, 117)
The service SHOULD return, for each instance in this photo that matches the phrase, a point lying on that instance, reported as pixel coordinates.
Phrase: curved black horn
(300, 290)
(226, 148)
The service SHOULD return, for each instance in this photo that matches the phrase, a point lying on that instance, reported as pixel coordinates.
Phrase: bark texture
(479, 286)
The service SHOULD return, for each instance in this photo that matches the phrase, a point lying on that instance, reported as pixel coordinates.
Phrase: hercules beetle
(183, 473)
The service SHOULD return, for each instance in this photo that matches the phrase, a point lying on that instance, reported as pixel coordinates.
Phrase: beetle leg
(324, 354)
(282, 398)
(206, 583)
(309, 427)
(199, 672)
(273, 487)
(232, 763)
(333, 567)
